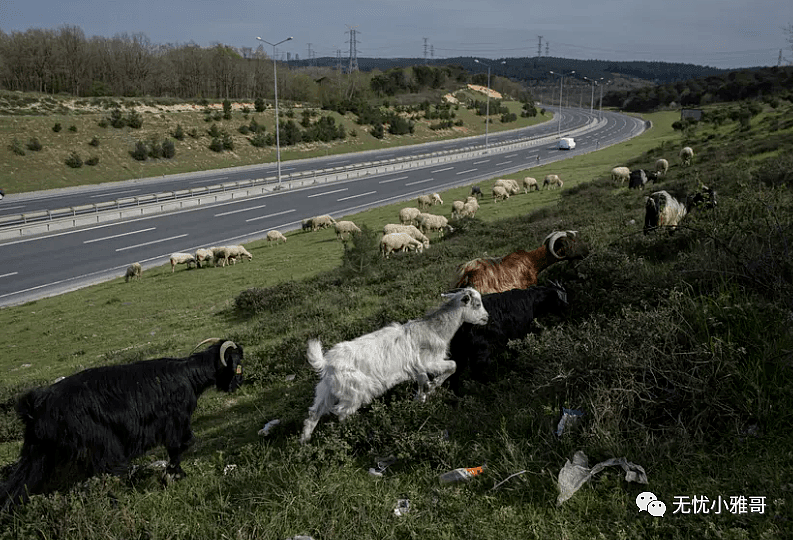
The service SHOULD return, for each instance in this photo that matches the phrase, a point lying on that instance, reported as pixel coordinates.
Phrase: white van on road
(566, 143)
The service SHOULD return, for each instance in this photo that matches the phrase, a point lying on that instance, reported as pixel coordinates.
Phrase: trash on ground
(382, 465)
(463, 474)
(569, 418)
(228, 469)
(269, 426)
(505, 480)
(402, 507)
(574, 474)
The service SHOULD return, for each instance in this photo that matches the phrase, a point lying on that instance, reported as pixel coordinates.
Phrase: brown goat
(519, 270)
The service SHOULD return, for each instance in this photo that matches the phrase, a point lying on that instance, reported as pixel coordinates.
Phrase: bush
(168, 149)
(193, 132)
(16, 147)
(34, 144)
(228, 142)
(93, 160)
(117, 120)
(94, 142)
(259, 105)
(362, 253)
(214, 131)
(377, 131)
(57, 127)
(178, 133)
(139, 153)
(155, 149)
(74, 161)
(103, 123)
(216, 145)
(260, 140)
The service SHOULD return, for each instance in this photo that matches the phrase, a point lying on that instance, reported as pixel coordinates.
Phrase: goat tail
(315, 356)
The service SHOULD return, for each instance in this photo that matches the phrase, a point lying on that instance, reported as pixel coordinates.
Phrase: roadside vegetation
(677, 348)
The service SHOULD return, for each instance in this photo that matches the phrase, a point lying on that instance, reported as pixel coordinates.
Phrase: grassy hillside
(675, 346)
(30, 116)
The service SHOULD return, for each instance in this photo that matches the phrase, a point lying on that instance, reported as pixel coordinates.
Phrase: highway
(51, 264)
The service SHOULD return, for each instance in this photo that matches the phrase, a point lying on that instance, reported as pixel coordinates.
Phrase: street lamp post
(600, 107)
(561, 86)
(592, 101)
(487, 107)
(277, 130)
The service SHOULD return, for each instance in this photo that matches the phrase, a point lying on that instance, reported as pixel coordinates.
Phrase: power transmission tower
(779, 60)
(547, 45)
(310, 57)
(353, 50)
(539, 46)
(425, 51)
(432, 52)
(338, 60)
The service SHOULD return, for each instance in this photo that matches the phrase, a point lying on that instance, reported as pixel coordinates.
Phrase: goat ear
(465, 299)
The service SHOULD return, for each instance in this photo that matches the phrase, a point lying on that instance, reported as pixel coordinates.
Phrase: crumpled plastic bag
(574, 474)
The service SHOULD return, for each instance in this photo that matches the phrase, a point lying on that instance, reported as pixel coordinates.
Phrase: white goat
(275, 236)
(181, 258)
(355, 372)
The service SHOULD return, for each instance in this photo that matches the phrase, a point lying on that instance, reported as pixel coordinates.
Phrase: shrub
(73, 128)
(228, 142)
(377, 131)
(216, 145)
(135, 120)
(74, 161)
(178, 133)
(139, 153)
(214, 131)
(361, 253)
(260, 140)
(117, 120)
(155, 149)
(16, 147)
(193, 132)
(94, 142)
(57, 127)
(103, 123)
(259, 105)
(93, 160)
(226, 109)
(168, 149)
(34, 144)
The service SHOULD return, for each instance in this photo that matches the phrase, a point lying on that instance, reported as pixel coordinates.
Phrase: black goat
(511, 313)
(97, 420)
(637, 179)
(476, 192)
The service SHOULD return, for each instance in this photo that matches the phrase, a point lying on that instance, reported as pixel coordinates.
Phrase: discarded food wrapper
(569, 417)
(463, 474)
(228, 469)
(268, 426)
(382, 465)
(574, 474)
(402, 507)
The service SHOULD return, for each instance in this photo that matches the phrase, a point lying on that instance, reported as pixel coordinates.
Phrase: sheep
(661, 166)
(664, 210)
(529, 183)
(345, 227)
(469, 209)
(552, 181)
(457, 208)
(225, 254)
(134, 271)
(181, 258)
(519, 270)
(321, 222)
(686, 155)
(436, 199)
(432, 222)
(500, 193)
(203, 255)
(476, 191)
(97, 420)
(620, 174)
(509, 184)
(353, 373)
(637, 179)
(425, 201)
(399, 242)
(275, 236)
(408, 215)
(511, 314)
(407, 229)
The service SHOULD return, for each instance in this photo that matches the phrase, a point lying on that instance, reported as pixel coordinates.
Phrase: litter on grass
(569, 418)
(574, 474)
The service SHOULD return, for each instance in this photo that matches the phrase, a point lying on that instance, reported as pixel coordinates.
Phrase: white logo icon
(649, 502)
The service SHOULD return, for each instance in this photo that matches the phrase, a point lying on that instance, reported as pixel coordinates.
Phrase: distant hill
(534, 69)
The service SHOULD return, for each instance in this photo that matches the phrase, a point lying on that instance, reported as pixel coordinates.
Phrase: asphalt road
(52, 264)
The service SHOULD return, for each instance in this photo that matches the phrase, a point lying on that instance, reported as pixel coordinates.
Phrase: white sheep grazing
(436, 199)
(552, 181)
(457, 208)
(134, 271)
(424, 202)
(181, 258)
(500, 193)
(392, 242)
(470, 209)
(509, 184)
(407, 229)
(686, 155)
(321, 222)
(353, 373)
(226, 254)
(407, 216)
(620, 174)
(530, 183)
(345, 227)
(275, 236)
(432, 222)
(661, 166)
(203, 255)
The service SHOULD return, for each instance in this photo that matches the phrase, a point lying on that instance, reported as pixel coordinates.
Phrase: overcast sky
(719, 33)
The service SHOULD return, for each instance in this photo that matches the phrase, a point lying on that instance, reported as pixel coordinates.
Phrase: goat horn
(551, 240)
(223, 348)
(207, 340)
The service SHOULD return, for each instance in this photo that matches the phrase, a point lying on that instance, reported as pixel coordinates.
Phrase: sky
(717, 33)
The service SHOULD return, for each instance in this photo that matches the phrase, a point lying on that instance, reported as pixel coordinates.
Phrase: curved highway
(55, 263)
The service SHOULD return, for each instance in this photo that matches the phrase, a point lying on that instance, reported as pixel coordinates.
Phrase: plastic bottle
(463, 474)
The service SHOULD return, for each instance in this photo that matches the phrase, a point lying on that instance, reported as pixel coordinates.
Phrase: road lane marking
(393, 179)
(152, 242)
(356, 196)
(469, 170)
(419, 182)
(504, 163)
(327, 192)
(483, 161)
(113, 194)
(9, 274)
(240, 210)
(270, 215)
(117, 235)
(441, 170)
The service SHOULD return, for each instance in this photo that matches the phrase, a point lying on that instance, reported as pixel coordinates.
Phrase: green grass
(677, 347)
(46, 168)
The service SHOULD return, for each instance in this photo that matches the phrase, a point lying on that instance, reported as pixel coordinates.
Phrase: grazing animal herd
(98, 420)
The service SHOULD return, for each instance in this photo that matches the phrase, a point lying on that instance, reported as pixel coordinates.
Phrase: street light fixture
(277, 130)
(487, 108)
(561, 85)
(592, 101)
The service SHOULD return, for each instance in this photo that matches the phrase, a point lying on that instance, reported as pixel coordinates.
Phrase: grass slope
(676, 347)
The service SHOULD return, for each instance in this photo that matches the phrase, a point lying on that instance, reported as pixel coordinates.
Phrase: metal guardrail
(159, 202)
